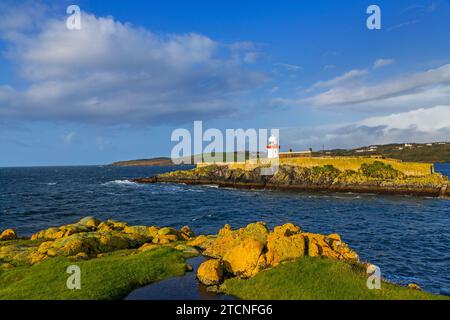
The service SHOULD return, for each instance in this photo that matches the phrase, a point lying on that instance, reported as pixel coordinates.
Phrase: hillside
(417, 152)
(161, 161)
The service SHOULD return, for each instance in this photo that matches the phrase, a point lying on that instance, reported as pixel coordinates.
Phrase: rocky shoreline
(382, 180)
(231, 254)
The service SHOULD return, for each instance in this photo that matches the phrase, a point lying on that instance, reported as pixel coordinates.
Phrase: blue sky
(137, 70)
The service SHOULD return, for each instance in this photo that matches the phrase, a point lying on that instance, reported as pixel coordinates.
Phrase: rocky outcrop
(372, 178)
(249, 250)
(8, 234)
(90, 238)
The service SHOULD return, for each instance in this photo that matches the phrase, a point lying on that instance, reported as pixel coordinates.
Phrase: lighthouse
(273, 148)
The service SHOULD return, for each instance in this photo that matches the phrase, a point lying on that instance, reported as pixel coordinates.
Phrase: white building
(273, 148)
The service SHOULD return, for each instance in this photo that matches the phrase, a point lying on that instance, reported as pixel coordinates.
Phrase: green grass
(318, 279)
(110, 277)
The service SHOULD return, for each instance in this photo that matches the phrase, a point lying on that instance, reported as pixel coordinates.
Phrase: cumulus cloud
(114, 73)
(420, 125)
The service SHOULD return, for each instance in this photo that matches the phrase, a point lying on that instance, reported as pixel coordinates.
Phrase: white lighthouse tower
(273, 148)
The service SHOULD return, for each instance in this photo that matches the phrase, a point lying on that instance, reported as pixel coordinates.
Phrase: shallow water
(407, 237)
(179, 288)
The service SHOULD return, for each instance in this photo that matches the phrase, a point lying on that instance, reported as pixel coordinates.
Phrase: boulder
(414, 286)
(165, 239)
(91, 243)
(257, 231)
(329, 247)
(201, 241)
(89, 222)
(242, 260)
(61, 232)
(142, 231)
(81, 256)
(8, 234)
(227, 239)
(186, 233)
(210, 272)
(17, 254)
(153, 231)
(167, 230)
(284, 246)
(287, 230)
(148, 247)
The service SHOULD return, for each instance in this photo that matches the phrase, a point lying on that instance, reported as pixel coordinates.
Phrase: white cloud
(342, 79)
(290, 67)
(425, 120)
(420, 125)
(112, 72)
(382, 63)
(405, 88)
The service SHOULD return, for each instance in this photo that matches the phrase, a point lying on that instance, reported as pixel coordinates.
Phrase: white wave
(52, 183)
(210, 186)
(120, 182)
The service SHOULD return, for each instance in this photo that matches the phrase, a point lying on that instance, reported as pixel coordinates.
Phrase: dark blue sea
(407, 237)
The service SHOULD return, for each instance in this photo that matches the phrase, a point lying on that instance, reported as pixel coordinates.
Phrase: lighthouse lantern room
(273, 148)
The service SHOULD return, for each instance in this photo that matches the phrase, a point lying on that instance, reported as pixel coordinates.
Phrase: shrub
(379, 170)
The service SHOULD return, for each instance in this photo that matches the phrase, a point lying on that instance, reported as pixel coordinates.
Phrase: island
(252, 262)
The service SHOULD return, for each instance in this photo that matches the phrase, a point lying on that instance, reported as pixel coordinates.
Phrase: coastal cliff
(376, 177)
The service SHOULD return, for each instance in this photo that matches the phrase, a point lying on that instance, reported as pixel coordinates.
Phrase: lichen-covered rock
(287, 230)
(91, 243)
(329, 247)
(168, 231)
(142, 231)
(18, 254)
(186, 233)
(153, 231)
(147, 247)
(227, 239)
(90, 222)
(165, 238)
(282, 247)
(414, 286)
(81, 256)
(61, 232)
(210, 272)
(8, 234)
(242, 260)
(201, 241)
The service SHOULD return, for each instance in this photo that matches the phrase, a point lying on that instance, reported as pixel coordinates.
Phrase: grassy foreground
(110, 277)
(317, 279)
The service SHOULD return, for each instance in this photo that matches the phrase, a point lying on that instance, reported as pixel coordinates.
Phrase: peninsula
(336, 174)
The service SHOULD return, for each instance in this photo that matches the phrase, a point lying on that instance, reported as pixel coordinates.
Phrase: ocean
(407, 237)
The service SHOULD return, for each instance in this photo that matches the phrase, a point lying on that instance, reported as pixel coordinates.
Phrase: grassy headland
(109, 277)
(317, 279)
(250, 263)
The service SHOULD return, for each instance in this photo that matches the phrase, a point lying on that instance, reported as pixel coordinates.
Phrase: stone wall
(341, 163)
